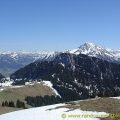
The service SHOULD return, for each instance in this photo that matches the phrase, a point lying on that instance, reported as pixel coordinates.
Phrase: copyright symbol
(63, 115)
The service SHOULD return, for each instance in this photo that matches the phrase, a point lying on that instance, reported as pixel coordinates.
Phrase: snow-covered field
(52, 112)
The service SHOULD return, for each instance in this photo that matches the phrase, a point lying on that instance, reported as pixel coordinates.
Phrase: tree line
(18, 104)
(41, 101)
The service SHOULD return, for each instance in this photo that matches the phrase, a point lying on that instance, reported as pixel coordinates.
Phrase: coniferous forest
(18, 104)
(41, 101)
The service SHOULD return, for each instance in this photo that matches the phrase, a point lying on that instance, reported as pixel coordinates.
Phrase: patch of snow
(116, 87)
(101, 76)
(116, 97)
(17, 86)
(53, 75)
(58, 79)
(13, 55)
(8, 87)
(29, 83)
(62, 64)
(49, 84)
(1, 89)
(73, 67)
(87, 87)
(75, 80)
(19, 79)
(6, 84)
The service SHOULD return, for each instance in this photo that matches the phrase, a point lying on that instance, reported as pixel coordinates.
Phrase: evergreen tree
(23, 105)
(11, 104)
(20, 104)
(6, 103)
(41, 101)
(3, 104)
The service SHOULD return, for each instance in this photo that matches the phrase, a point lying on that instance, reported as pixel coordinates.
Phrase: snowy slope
(49, 84)
(93, 50)
(49, 113)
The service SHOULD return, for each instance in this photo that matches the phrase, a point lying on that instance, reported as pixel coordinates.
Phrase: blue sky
(58, 24)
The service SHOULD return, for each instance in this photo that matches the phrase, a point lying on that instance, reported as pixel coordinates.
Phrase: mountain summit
(93, 50)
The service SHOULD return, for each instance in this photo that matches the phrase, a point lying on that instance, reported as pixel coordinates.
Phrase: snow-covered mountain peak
(93, 50)
(88, 49)
(87, 44)
(118, 50)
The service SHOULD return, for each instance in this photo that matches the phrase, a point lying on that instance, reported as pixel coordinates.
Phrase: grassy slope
(108, 105)
(4, 110)
(20, 93)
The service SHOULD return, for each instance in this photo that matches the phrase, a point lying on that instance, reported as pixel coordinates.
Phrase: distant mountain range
(12, 61)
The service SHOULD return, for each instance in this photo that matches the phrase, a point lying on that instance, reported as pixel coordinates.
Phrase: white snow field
(116, 97)
(52, 112)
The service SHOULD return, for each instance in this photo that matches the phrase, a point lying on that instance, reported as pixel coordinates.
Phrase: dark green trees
(19, 104)
(41, 101)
